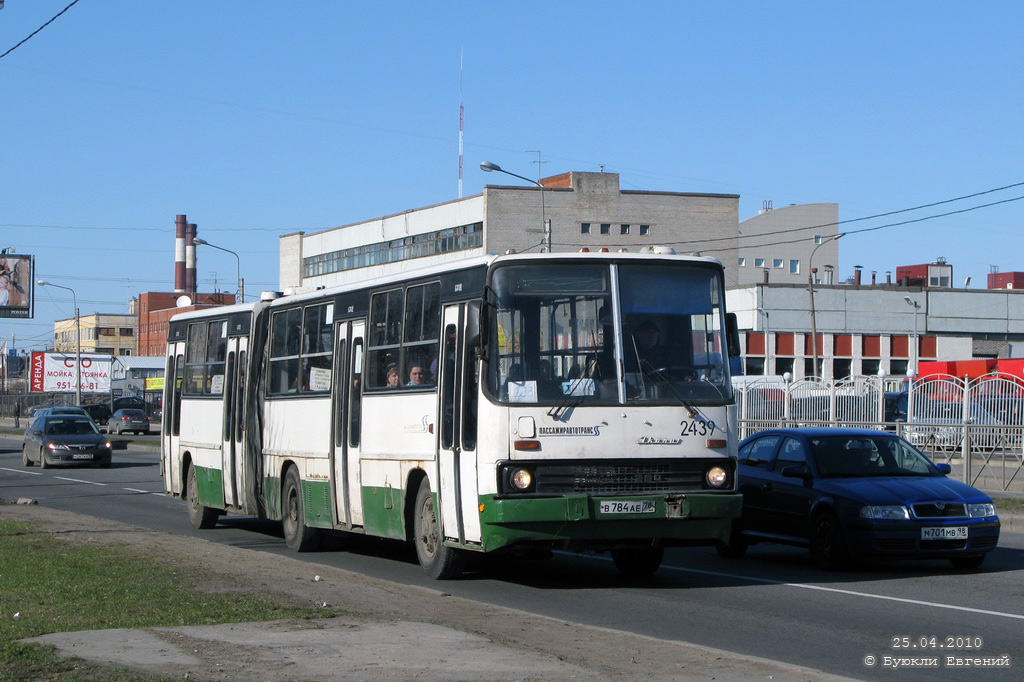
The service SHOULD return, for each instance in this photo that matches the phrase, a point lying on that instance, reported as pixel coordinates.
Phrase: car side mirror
(796, 471)
(944, 468)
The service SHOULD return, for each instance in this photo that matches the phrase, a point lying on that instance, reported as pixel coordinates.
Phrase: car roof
(822, 432)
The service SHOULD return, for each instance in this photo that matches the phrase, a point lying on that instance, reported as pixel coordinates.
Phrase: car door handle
(767, 487)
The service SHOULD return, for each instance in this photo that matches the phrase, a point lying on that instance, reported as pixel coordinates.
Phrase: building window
(755, 366)
(777, 263)
(759, 262)
(783, 365)
(127, 331)
(794, 267)
(414, 246)
(623, 229)
(606, 228)
(584, 228)
(645, 230)
(817, 239)
(743, 262)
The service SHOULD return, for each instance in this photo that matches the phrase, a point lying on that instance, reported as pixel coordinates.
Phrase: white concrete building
(571, 211)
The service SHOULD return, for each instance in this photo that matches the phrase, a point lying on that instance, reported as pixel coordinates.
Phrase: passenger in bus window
(417, 376)
(392, 376)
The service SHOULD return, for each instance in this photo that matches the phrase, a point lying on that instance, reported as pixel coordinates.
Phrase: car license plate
(624, 507)
(945, 533)
(81, 456)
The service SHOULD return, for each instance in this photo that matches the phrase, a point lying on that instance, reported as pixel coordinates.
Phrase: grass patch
(1009, 505)
(59, 586)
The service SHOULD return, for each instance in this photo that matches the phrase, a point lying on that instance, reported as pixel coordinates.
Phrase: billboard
(16, 286)
(56, 372)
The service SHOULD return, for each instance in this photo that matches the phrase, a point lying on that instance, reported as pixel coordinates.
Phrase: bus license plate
(947, 533)
(81, 456)
(624, 507)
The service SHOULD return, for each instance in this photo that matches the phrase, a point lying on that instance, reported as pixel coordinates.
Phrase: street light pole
(767, 347)
(810, 288)
(917, 360)
(489, 167)
(78, 339)
(238, 261)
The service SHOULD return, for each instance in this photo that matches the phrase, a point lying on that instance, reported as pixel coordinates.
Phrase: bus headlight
(717, 477)
(521, 479)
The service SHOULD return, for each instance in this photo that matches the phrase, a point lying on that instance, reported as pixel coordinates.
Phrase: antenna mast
(461, 121)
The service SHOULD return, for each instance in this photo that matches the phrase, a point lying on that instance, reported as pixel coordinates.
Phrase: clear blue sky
(259, 119)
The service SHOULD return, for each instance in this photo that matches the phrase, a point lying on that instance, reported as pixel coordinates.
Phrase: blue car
(853, 493)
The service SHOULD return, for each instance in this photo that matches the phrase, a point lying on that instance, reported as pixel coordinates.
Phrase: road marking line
(22, 471)
(77, 480)
(819, 588)
(136, 490)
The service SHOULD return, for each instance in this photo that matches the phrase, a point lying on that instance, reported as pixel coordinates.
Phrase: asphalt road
(772, 604)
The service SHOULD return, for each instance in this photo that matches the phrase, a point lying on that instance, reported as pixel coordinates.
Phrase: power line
(872, 217)
(877, 227)
(52, 19)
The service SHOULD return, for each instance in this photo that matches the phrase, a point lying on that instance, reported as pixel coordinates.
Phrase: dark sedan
(852, 493)
(57, 439)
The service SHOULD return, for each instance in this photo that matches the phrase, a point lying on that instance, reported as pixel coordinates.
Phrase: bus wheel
(297, 535)
(439, 561)
(638, 562)
(201, 516)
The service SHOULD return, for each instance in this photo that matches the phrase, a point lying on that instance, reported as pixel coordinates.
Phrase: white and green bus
(507, 403)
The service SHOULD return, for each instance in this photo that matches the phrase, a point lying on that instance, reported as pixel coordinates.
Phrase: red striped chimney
(179, 254)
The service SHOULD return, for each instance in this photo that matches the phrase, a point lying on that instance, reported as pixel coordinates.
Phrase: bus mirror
(732, 335)
(475, 324)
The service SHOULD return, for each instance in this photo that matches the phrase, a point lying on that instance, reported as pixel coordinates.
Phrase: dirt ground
(399, 632)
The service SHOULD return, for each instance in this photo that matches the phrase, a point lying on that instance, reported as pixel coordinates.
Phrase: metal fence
(974, 425)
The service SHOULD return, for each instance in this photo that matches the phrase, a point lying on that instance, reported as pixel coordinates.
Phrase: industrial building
(566, 212)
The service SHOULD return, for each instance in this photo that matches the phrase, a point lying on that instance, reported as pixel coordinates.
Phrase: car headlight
(979, 510)
(56, 446)
(717, 477)
(885, 511)
(521, 479)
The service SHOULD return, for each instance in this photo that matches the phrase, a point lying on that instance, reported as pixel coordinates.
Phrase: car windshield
(69, 427)
(857, 456)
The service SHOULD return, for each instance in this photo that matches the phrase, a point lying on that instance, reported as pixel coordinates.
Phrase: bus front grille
(630, 477)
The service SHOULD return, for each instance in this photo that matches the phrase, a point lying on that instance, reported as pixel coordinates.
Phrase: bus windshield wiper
(647, 370)
(571, 399)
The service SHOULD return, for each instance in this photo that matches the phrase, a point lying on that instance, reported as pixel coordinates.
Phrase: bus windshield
(599, 333)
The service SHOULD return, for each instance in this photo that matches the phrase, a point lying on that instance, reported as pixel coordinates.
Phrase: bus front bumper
(683, 519)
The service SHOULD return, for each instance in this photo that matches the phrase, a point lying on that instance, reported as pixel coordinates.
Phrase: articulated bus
(517, 403)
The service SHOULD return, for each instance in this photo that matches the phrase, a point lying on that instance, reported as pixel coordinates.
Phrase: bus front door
(345, 429)
(456, 474)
